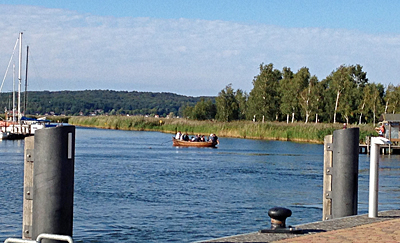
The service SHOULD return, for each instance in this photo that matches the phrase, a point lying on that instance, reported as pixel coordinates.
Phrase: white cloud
(72, 51)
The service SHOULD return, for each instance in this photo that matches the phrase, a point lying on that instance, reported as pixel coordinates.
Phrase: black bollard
(278, 217)
(278, 221)
(345, 172)
(53, 182)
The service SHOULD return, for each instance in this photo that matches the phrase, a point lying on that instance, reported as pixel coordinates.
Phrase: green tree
(204, 110)
(358, 75)
(310, 98)
(301, 81)
(286, 93)
(227, 105)
(318, 99)
(264, 97)
(339, 78)
(392, 99)
(342, 87)
(241, 98)
(396, 100)
(349, 97)
(360, 80)
(346, 84)
(362, 107)
(374, 99)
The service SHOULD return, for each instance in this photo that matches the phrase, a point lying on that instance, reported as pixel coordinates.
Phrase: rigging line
(5, 75)
(35, 70)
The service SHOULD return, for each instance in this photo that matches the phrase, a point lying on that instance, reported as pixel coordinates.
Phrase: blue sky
(195, 47)
(367, 16)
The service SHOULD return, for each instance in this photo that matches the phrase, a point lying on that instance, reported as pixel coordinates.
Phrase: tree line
(100, 102)
(345, 95)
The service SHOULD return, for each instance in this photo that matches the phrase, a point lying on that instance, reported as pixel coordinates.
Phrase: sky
(193, 48)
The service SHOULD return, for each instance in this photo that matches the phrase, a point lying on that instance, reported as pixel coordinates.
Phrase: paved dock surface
(360, 228)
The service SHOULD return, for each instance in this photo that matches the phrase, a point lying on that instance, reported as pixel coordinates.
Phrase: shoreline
(279, 131)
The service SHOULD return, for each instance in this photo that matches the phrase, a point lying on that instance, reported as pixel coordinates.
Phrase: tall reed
(311, 132)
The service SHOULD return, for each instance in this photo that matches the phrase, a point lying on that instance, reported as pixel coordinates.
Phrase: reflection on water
(136, 187)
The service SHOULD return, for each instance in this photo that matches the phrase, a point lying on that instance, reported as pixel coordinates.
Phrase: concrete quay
(359, 228)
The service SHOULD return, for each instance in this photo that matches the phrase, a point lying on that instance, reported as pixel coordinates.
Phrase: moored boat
(20, 126)
(26, 127)
(181, 143)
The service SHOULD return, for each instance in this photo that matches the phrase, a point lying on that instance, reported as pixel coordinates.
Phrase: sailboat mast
(26, 80)
(13, 102)
(19, 77)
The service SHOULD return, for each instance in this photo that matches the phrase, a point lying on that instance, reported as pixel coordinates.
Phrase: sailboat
(20, 127)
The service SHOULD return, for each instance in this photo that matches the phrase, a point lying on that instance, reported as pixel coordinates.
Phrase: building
(391, 123)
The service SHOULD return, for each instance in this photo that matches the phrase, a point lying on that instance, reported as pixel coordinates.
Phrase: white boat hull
(21, 129)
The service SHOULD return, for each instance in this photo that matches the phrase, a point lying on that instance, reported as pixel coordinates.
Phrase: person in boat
(203, 139)
(214, 139)
(185, 137)
(178, 135)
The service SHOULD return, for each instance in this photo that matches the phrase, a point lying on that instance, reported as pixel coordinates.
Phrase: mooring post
(345, 172)
(374, 175)
(53, 181)
(28, 188)
(340, 190)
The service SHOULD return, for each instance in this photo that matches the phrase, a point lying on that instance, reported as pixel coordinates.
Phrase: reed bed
(300, 132)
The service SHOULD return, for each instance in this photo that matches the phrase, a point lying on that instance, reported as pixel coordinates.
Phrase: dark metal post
(53, 181)
(345, 172)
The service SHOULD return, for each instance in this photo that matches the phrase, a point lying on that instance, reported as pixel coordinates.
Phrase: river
(135, 186)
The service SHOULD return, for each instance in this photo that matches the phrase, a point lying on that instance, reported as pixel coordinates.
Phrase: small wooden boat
(181, 143)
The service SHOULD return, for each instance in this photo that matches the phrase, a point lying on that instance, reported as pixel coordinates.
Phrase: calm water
(136, 187)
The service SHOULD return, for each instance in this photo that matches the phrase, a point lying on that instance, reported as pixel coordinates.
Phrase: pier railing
(40, 238)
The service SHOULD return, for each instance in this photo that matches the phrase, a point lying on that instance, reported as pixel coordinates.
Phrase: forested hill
(101, 102)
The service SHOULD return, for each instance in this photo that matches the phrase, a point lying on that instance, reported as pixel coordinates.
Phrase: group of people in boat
(198, 138)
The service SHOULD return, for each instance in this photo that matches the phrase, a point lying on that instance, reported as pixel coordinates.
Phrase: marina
(27, 127)
(16, 125)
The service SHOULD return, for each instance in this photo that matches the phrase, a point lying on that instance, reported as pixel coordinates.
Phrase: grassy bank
(312, 133)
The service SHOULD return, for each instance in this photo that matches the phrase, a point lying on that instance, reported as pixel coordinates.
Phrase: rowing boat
(181, 143)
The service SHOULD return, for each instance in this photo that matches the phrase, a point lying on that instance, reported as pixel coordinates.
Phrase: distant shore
(298, 132)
